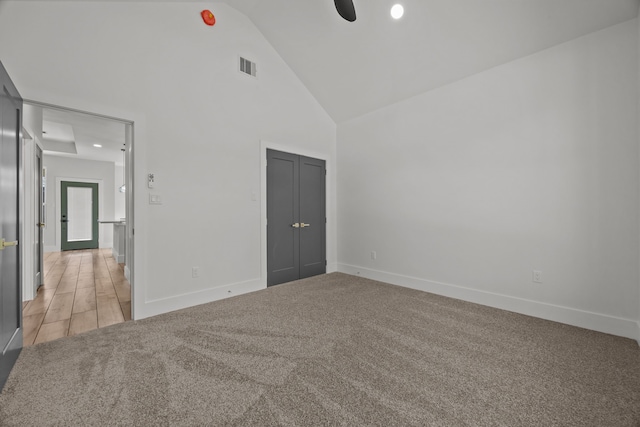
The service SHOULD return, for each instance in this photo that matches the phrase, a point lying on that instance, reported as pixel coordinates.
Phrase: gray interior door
(313, 259)
(296, 217)
(39, 244)
(10, 287)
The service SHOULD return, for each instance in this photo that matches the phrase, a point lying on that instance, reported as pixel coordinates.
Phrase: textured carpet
(330, 350)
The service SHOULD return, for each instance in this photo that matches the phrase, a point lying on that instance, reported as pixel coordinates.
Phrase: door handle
(296, 225)
(64, 220)
(303, 225)
(40, 224)
(5, 244)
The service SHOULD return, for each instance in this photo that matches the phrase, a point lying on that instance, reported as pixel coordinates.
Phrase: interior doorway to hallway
(83, 290)
(79, 146)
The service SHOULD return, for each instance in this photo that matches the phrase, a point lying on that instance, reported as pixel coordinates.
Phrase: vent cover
(247, 67)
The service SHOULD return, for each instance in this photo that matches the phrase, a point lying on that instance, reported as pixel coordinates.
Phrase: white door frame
(129, 204)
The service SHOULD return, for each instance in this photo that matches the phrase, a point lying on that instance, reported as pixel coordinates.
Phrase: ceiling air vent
(247, 67)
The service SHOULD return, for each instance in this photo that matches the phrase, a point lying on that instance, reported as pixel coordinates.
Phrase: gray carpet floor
(332, 350)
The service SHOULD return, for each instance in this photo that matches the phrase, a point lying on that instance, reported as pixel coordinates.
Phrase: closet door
(312, 217)
(296, 219)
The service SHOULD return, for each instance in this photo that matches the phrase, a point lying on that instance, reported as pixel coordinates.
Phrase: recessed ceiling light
(397, 11)
(97, 145)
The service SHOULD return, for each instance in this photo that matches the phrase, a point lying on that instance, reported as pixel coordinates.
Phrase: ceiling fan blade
(346, 9)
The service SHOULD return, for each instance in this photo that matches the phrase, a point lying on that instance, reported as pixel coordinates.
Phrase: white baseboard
(127, 273)
(117, 256)
(165, 305)
(105, 244)
(332, 267)
(598, 322)
(51, 249)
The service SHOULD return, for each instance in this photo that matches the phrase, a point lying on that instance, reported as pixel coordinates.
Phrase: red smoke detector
(208, 17)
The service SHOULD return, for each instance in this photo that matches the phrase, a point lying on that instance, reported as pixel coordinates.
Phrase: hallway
(83, 290)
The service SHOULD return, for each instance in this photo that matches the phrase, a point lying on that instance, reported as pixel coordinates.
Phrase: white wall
(198, 124)
(79, 170)
(466, 189)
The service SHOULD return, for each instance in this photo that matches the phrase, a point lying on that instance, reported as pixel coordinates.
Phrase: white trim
(264, 145)
(638, 333)
(178, 302)
(627, 328)
(28, 219)
(332, 267)
(100, 182)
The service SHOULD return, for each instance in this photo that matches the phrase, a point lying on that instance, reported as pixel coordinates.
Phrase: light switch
(155, 199)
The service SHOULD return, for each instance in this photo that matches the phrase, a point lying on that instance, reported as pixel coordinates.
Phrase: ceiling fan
(346, 9)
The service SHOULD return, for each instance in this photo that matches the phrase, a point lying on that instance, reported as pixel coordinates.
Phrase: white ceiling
(68, 128)
(355, 68)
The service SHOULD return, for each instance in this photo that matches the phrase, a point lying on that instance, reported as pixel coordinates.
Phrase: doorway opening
(81, 203)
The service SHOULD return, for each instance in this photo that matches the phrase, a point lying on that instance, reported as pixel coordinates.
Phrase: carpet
(331, 350)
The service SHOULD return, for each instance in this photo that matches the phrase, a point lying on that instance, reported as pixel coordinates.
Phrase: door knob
(40, 224)
(303, 225)
(64, 220)
(5, 244)
(296, 225)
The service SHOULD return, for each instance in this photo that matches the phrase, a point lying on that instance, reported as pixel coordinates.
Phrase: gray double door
(296, 217)
(10, 289)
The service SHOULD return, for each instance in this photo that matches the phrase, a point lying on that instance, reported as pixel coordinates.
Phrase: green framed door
(78, 215)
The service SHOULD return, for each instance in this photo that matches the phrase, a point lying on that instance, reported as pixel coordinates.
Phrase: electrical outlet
(537, 276)
(195, 272)
(374, 255)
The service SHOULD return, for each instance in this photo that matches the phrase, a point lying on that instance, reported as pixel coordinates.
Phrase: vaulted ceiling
(355, 68)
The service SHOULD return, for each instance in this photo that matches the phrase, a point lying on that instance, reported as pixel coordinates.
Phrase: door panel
(296, 217)
(312, 215)
(79, 215)
(10, 286)
(283, 257)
